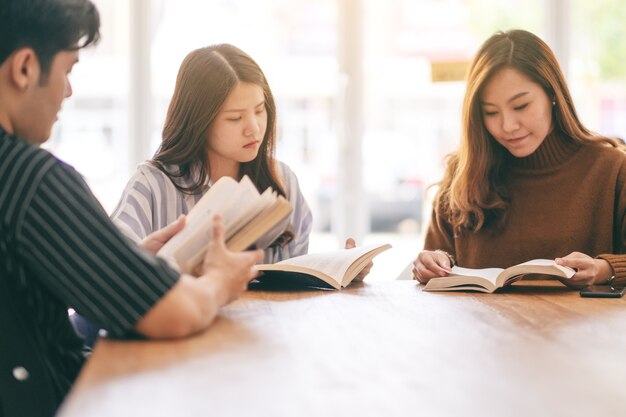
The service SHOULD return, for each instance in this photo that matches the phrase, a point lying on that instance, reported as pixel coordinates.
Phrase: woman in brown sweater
(529, 180)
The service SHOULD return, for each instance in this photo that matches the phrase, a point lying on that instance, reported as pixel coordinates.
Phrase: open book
(490, 279)
(246, 214)
(334, 269)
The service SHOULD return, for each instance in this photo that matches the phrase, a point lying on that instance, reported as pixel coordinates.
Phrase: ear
(25, 69)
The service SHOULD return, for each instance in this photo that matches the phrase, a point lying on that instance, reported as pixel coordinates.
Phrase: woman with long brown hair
(221, 121)
(529, 180)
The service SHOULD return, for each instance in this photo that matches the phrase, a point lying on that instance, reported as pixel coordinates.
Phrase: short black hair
(48, 27)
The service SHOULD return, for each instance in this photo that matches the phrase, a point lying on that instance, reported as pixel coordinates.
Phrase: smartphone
(603, 291)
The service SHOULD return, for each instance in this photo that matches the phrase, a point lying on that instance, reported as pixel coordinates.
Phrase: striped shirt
(151, 201)
(59, 249)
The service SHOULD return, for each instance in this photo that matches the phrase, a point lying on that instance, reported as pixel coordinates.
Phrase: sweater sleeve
(439, 234)
(618, 258)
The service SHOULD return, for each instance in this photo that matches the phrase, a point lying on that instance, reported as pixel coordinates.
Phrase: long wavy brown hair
(205, 79)
(472, 193)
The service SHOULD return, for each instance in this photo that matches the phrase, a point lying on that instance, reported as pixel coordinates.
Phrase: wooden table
(375, 349)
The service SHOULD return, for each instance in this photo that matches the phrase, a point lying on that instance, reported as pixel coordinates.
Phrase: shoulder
(148, 170)
(151, 177)
(25, 159)
(25, 167)
(288, 177)
(605, 161)
(607, 153)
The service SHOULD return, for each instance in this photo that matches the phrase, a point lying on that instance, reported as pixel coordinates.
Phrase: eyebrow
(238, 110)
(516, 96)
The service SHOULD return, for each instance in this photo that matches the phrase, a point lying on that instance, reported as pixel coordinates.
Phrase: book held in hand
(246, 214)
(490, 279)
(333, 269)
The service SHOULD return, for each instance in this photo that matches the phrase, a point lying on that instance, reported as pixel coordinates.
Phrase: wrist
(449, 256)
(216, 290)
(606, 275)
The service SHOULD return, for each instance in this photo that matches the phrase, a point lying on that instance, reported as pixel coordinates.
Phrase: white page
(333, 263)
(490, 274)
(204, 208)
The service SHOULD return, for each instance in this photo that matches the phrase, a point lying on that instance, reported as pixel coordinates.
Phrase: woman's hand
(155, 241)
(589, 271)
(350, 243)
(431, 264)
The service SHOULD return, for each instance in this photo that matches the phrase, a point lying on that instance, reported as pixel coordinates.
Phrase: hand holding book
(155, 240)
(589, 271)
(247, 216)
(431, 264)
(491, 279)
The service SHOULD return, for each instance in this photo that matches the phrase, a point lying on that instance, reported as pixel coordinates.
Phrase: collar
(555, 150)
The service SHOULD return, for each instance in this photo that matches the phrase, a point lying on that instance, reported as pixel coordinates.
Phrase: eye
(234, 119)
(522, 107)
(487, 113)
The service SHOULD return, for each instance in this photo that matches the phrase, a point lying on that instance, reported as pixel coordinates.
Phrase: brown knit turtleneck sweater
(565, 197)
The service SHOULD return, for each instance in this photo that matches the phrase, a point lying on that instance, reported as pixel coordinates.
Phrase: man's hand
(231, 271)
(155, 241)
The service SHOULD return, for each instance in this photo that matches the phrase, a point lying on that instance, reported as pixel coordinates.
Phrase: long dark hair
(206, 77)
(472, 192)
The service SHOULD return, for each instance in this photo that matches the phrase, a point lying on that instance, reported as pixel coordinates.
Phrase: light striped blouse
(151, 202)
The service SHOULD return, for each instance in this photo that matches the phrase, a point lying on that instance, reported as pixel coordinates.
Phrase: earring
(554, 102)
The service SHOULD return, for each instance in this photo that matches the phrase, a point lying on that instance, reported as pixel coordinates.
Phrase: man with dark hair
(58, 248)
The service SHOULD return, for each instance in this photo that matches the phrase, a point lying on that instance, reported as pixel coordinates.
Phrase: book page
(240, 206)
(260, 224)
(238, 203)
(332, 263)
(261, 204)
(188, 246)
(210, 202)
(536, 266)
(213, 198)
(490, 274)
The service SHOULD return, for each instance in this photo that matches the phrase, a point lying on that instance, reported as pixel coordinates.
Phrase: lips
(252, 144)
(517, 139)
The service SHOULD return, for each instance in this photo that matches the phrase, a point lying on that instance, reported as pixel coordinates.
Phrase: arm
(150, 202)
(300, 221)
(617, 260)
(192, 304)
(73, 249)
(438, 257)
(610, 267)
(79, 255)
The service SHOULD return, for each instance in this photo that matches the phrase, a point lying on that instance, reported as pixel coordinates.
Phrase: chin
(248, 158)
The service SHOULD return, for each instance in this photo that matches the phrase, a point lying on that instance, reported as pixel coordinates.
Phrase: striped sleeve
(149, 202)
(301, 221)
(70, 243)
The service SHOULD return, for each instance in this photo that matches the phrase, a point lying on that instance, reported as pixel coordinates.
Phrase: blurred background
(368, 92)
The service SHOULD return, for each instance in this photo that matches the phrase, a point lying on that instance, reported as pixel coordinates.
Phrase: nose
(252, 127)
(68, 89)
(509, 122)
